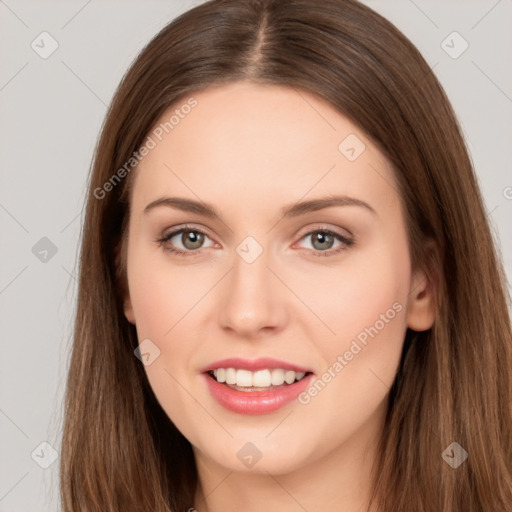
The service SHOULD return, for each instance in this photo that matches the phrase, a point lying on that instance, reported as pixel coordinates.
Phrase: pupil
(324, 238)
(192, 239)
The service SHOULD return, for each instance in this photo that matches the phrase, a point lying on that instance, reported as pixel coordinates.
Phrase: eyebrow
(292, 210)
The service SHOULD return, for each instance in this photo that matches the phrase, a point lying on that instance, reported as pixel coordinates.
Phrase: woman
(289, 294)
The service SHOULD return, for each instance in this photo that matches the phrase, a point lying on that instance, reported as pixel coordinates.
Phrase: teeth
(244, 378)
(277, 377)
(230, 376)
(259, 379)
(289, 377)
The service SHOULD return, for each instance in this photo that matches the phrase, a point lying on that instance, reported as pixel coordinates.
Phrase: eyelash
(322, 254)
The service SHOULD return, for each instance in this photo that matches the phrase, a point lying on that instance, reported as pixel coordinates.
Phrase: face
(325, 289)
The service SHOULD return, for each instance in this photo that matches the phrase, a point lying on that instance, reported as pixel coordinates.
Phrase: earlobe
(421, 311)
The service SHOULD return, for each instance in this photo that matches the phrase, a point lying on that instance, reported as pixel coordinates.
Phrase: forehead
(245, 142)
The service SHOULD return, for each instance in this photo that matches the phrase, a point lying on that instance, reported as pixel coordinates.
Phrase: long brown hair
(120, 451)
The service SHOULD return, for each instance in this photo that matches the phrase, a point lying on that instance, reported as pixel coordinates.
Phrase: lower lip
(256, 402)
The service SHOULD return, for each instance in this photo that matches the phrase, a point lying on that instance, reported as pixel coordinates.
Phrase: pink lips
(255, 402)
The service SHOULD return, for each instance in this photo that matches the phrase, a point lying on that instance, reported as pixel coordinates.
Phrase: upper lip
(254, 364)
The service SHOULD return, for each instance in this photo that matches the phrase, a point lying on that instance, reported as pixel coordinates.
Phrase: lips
(229, 382)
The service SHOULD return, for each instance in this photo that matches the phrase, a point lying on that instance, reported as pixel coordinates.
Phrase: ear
(123, 283)
(422, 310)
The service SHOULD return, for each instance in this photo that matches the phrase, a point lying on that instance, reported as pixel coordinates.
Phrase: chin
(259, 457)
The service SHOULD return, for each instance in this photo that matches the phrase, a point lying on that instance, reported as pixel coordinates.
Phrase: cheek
(163, 299)
(366, 307)
(370, 283)
(371, 303)
(163, 293)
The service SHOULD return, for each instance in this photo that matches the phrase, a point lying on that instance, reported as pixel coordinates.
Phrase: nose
(253, 299)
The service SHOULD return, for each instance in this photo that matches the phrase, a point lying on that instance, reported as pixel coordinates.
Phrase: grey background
(51, 112)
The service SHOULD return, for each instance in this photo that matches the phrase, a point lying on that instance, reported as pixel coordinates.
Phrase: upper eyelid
(176, 231)
(324, 227)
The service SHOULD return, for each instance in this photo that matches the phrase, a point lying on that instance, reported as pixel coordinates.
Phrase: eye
(191, 240)
(323, 240)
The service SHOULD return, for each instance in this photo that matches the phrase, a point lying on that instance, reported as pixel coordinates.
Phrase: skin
(288, 304)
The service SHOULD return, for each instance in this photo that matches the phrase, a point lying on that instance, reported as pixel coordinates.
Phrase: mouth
(256, 381)
(259, 387)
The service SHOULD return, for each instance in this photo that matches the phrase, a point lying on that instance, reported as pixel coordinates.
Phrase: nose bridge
(251, 298)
